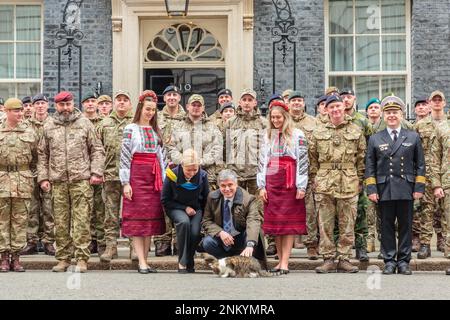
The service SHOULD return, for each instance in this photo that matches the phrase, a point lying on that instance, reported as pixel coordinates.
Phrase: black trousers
(402, 211)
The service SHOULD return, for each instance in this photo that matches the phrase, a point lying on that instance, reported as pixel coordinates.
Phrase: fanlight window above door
(184, 43)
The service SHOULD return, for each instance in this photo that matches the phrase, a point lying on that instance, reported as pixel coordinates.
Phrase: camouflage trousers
(72, 205)
(373, 222)
(344, 210)
(41, 224)
(112, 191)
(13, 224)
(429, 208)
(98, 216)
(446, 206)
(312, 221)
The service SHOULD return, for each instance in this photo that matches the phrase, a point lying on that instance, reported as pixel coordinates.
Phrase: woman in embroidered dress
(282, 179)
(142, 174)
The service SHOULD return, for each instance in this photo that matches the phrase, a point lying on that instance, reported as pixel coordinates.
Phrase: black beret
(171, 89)
(26, 99)
(224, 92)
(347, 91)
(88, 96)
(39, 97)
(421, 99)
(227, 105)
(321, 99)
(332, 99)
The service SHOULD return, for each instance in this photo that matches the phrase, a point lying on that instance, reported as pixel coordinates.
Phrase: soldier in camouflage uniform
(321, 112)
(41, 225)
(426, 128)
(71, 159)
(307, 124)
(98, 245)
(337, 152)
(169, 118)
(361, 229)
(104, 103)
(28, 108)
(223, 96)
(2, 113)
(110, 131)
(18, 157)
(440, 174)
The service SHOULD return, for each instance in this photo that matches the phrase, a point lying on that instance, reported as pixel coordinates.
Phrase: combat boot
(424, 252)
(49, 249)
(312, 253)
(415, 243)
(15, 263)
(93, 247)
(163, 249)
(440, 243)
(30, 248)
(81, 266)
(346, 266)
(4, 264)
(298, 243)
(101, 250)
(271, 250)
(328, 266)
(62, 266)
(361, 254)
(447, 272)
(371, 246)
(109, 254)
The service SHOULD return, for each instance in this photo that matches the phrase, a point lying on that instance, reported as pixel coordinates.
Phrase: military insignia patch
(407, 144)
(383, 147)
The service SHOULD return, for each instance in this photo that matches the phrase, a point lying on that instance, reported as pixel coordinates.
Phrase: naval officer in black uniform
(395, 177)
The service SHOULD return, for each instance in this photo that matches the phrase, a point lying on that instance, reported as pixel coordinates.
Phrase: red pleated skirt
(283, 214)
(143, 216)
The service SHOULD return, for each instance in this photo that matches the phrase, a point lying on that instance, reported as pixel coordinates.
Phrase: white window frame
(354, 74)
(14, 80)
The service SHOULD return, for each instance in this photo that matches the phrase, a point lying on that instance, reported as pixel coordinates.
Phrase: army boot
(440, 243)
(109, 254)
(312, 253)
(4, 264)
(81, 266)
(361, 254)
(370, 245)
(424, 251)
(447, 272)
(93, 247)
(49, 249)
(101, 250)
(346, 266)
(271, 250)
(328, 266)
(415, 243)
(15, 263)
(62, 266)
(30, 248)
(163, 249)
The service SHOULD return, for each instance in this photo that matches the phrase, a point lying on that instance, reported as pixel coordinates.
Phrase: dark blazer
(174, 196)
(395, 171)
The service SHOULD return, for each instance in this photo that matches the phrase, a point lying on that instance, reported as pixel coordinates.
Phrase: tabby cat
(239, 267)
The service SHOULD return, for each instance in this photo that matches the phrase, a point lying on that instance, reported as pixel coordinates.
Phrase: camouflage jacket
(166, 122)
(18, 158)
(245, 136)
(2, 116)
(204, 137)
(110, 132)
(359, 119)
(426, 129)
(440, 156)
(306, 123)
(337, 158)
(96, 121)
(69, 150)
(38, 126)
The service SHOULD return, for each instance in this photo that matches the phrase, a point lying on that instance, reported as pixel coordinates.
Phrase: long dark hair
(154, 121)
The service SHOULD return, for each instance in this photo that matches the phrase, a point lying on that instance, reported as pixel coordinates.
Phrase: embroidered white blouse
(138, 139)
(298, 150)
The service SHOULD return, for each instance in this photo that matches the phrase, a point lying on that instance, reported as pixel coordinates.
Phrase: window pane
(6, 60)
(28, 60)
(367, 16)
(341, 82)
(6, 23)
(395, 85)
(367, 53)
(28, 22)
(394, 53)
(366, 88)
(7, 90)
(393, 16)
(28, 89)
(341, 17)
(341, 53)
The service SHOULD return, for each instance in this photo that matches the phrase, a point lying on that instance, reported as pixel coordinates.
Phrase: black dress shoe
(380, 256)
(361, 254)
(182, 270)
(389, 269)
(151, 270)
(404, 269)
(447, 272)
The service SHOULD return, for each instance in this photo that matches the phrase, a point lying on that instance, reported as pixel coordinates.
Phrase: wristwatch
(251, 244)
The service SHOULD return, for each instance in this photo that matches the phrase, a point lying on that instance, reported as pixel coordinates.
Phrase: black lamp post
(177, 8)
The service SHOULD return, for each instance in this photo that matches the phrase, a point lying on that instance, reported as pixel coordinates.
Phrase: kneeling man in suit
(395, 177)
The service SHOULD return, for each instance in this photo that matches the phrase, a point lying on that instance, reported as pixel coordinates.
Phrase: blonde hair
(189, 158)
(286, 130)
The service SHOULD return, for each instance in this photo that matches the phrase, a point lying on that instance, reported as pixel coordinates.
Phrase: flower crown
(148, 94)
(278, 103)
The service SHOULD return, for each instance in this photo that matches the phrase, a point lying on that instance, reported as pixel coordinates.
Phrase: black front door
(207, 82)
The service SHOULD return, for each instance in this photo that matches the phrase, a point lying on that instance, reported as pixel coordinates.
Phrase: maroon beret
(63, 96)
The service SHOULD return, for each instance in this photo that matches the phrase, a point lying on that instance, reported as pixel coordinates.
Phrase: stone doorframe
(127, 46)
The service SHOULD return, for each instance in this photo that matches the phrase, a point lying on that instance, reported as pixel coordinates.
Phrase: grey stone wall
(96, 62)
(430, 47)
(309, 20)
